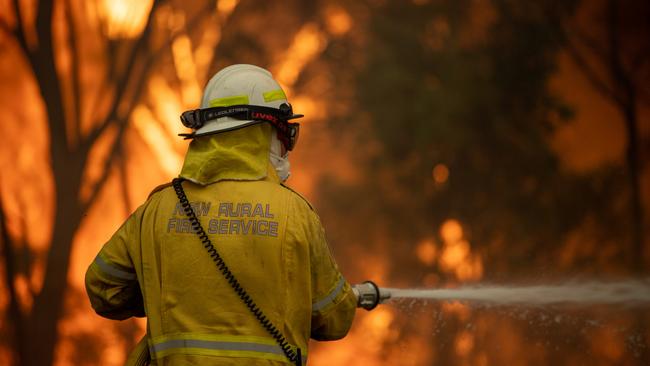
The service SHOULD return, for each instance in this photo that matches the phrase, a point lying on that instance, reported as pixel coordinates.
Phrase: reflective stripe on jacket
(270, 238)
(218, 345)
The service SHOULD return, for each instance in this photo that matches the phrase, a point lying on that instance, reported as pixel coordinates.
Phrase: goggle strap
(245, 111)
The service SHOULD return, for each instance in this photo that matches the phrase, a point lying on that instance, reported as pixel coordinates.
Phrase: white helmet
(239, 96)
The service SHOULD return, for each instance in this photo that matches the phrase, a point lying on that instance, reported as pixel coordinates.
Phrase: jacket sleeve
(333, 302)
(111, 281)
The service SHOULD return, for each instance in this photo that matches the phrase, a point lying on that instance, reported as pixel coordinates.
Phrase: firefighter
(281, 285)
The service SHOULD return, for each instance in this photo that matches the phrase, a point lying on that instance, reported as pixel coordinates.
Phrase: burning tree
(92, 64)
(615, 58)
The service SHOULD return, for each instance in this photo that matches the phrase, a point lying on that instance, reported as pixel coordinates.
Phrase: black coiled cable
(293, 356)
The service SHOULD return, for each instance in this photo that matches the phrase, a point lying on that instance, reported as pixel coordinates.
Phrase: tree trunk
(67, 166)
(48, 304)
(634, 176)
(637, 248)
(627, 102)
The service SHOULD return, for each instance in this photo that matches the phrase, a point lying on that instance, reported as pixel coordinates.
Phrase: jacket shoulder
(299, 196)
(159, 188)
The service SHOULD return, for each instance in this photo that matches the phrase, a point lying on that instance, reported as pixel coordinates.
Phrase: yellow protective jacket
(268, 235)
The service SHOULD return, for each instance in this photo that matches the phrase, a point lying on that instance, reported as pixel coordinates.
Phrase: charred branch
(139, 47)
(590, 73)
(19, 31)
(74, 70)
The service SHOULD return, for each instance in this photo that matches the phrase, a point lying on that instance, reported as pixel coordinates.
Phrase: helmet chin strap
(279, 161)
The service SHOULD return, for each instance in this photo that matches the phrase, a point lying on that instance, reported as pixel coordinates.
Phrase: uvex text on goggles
(278, 117)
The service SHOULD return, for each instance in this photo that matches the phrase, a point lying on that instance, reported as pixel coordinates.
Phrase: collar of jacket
(241, 154)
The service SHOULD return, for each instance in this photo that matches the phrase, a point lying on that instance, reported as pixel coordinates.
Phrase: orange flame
(308, 42)
(124, 18)
(337, 20)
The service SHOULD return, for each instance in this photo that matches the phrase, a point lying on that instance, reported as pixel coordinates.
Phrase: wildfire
(151, 153)
(186, 70)
(124, 18)
(456, 256)
(338, 21)
(307, 44)
(156, 139)
(226, 6)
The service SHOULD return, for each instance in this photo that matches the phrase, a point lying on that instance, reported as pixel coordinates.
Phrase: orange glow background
(176, 47)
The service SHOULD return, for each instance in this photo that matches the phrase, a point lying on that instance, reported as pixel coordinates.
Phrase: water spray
(626, 293)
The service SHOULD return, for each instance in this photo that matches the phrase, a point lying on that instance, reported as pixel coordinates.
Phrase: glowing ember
(453, 255)
(337, 20)
(440, 173)
(451, 231)
(464, 343)
(427, 252)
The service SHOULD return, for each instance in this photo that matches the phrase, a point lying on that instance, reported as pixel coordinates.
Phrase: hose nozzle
(369, 295)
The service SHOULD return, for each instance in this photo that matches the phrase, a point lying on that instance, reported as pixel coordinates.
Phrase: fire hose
(369, 295)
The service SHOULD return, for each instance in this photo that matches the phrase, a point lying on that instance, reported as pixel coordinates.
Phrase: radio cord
(293, 356)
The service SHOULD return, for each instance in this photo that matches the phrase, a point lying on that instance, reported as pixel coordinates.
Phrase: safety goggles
(278, 117)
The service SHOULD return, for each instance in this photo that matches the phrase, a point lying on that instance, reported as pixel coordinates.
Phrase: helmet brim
(214, 127)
